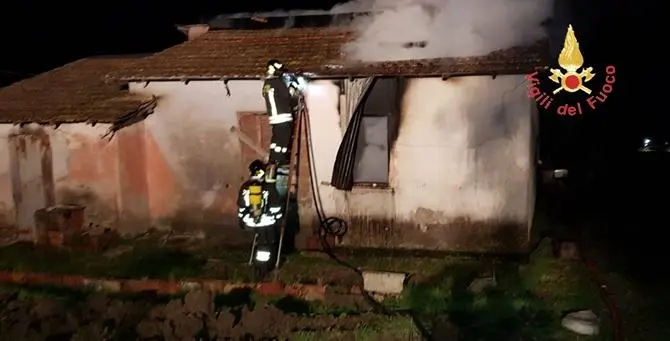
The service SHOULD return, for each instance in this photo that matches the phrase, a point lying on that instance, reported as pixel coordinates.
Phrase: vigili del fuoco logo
(573, 80)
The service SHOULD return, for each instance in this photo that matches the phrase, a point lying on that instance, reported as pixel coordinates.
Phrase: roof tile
(76, 92)
(243, 54)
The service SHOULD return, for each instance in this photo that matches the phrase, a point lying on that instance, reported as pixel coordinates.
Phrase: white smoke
(447, 28)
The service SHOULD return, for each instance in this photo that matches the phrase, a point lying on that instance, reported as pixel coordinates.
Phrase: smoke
(417, 29)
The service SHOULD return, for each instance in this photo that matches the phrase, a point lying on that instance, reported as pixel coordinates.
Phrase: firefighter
(281, 91)
(258, 204)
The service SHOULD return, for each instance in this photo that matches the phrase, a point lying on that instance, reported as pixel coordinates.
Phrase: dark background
(39, 35)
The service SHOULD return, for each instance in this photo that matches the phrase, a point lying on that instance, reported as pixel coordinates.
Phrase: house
(444, 162)
(444, 158)
(51, 145)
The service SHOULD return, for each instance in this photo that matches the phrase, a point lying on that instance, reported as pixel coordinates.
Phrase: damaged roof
(75, 92)
(230, 54)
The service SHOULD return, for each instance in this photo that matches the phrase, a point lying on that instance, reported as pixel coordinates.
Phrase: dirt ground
(194, 317)
(525, 301)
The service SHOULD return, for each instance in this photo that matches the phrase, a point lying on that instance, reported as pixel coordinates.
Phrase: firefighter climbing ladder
(292, 184)
(292, 181)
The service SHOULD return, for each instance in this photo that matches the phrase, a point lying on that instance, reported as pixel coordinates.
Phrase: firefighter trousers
(267, 236)
(280, 145)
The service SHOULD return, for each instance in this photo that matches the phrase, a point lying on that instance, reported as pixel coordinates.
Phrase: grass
(527, 303)
(392, 328)
(151, 259)
(144, 261)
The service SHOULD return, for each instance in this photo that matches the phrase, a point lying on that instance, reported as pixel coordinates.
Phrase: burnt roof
(230, 54)
(75, 92)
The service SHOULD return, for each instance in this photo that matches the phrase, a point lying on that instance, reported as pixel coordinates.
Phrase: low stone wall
(309, 292)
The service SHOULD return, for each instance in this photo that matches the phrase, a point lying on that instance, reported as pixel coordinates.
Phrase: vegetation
(526, 303)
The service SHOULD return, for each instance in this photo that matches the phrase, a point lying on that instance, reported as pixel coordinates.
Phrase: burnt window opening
(380, 112)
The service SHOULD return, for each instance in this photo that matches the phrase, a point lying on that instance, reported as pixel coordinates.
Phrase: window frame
(392, 120)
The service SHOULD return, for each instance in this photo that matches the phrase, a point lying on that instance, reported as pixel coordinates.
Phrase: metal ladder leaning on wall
(292, 187)
(291, 181)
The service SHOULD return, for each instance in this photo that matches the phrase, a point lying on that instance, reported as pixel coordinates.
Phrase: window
(377, 133)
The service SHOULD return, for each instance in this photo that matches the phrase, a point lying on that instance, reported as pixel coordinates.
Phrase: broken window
(379, 111)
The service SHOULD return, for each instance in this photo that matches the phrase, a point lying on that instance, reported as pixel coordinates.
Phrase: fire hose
(337, 227)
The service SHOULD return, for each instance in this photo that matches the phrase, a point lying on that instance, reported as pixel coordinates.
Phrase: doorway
(32, 177)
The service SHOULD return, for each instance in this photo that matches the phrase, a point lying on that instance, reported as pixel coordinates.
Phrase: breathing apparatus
(256, 202)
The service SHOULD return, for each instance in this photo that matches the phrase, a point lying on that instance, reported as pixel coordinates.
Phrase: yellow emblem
(571, 60)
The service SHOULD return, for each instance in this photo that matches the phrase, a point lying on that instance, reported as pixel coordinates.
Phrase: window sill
(366, 186)
(372, 185)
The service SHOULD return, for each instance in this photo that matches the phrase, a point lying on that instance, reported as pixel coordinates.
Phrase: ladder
(292, 181)
(292, 186)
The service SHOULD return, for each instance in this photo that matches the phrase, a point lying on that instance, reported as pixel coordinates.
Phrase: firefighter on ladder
(257, 205)
(259, 210)
(282, 91)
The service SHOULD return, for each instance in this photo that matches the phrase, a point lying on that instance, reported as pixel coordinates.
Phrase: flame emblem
(571, 60)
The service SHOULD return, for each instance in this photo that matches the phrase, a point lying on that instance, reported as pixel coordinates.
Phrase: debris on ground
(481, 284)
(24, 317)
(477, 295)
(388, 283)
(117, 251)
(584, 322)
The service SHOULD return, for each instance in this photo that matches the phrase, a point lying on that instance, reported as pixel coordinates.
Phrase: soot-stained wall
(461, 165)
(72, 164)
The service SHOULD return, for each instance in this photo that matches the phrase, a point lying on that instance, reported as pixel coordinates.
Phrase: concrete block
(391, 283)
(55, 225)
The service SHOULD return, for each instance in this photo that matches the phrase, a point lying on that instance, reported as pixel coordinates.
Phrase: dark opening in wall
(415, 44)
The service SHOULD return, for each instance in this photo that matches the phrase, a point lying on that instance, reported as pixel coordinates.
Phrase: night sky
(38, 36)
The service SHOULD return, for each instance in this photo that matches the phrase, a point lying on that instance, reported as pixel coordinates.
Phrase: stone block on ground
(584, 322)
(389, 283)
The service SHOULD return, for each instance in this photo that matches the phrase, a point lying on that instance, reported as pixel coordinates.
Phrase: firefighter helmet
(256, 166)
(274, 66)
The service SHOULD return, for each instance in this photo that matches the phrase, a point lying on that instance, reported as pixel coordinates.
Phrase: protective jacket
(257, 204)
(281, 96)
